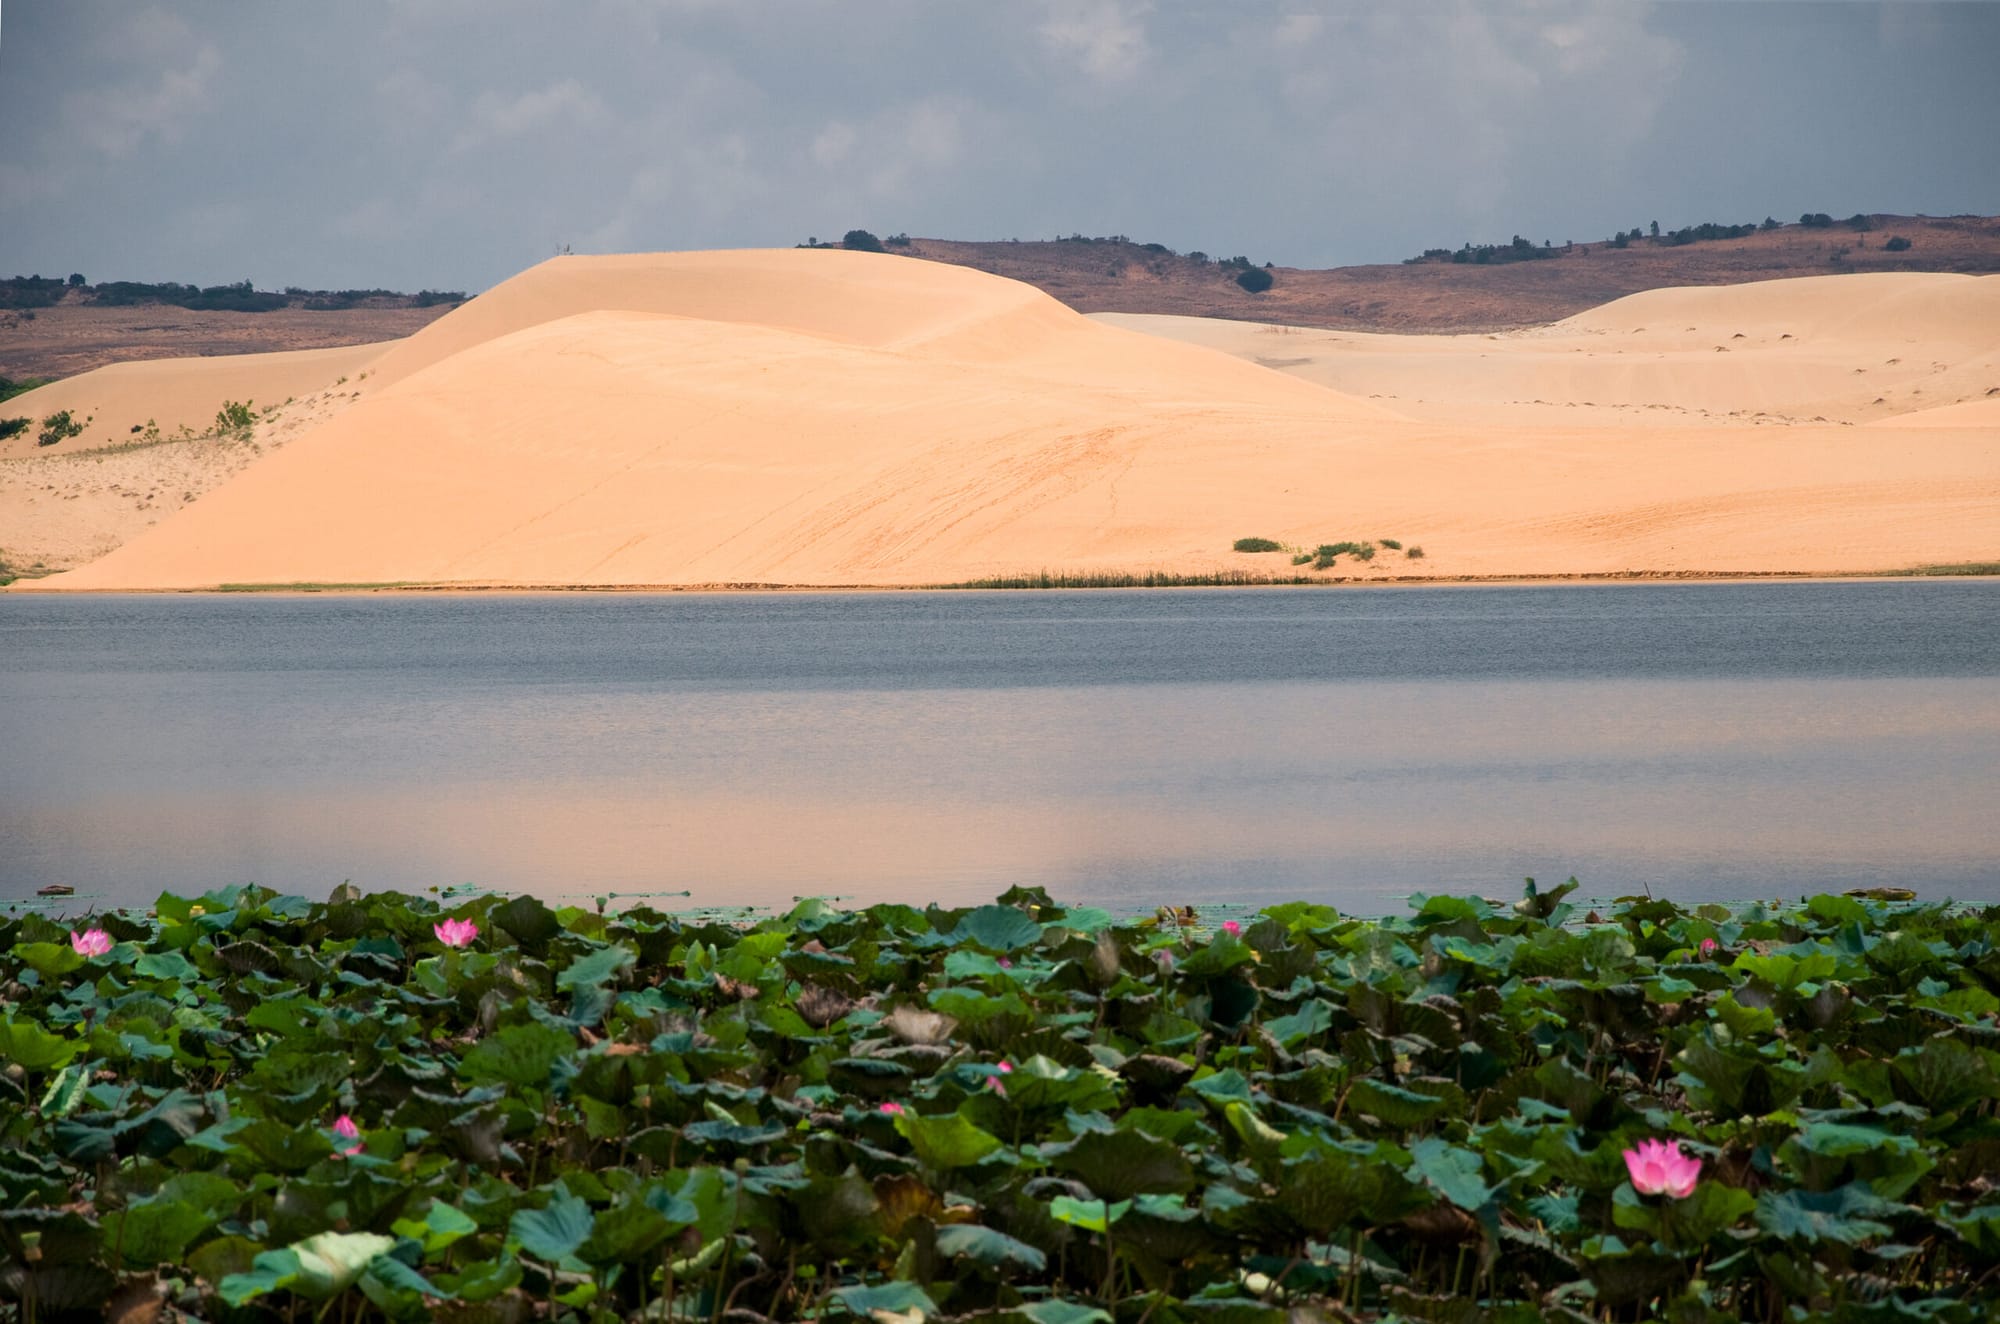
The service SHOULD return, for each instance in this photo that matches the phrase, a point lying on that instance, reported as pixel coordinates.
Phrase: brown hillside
(1094, 276)
(76, 335)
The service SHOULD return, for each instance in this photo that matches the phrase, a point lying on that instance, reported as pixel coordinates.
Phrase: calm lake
(1705, 741)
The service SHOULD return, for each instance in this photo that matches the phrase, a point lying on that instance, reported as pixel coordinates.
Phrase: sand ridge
(823, 417)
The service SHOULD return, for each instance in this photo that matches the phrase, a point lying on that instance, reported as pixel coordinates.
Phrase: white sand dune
(817, 417)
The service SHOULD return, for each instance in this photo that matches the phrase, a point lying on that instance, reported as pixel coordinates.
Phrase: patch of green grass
(1151, 579)
(1391, 544)
(1257, 545)
(315, 586)
(1949, 568)
(1415, 553)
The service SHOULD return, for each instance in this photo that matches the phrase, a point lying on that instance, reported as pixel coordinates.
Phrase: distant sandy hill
(839, 418)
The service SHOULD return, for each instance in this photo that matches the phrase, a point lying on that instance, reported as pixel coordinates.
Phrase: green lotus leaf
(441, 1226)
(733, 1133)
(1330, 1187)
(530, 923)
(400, 1290)
(34, 1048)
(1056, 1311)
(1454, 1172)
(623, 1233)
(1397, 1106)
(1311, 1020)
(159, 1228)
(51, 960)
(65, 1092)
(700, 1197)
(1712, 1209)
(482, 1280)
(1736, 1084)
(1224, 953)
(1623, 1274)
(988, 1249)
(218, 1259)
(1221, 1088)
(553, 1232)
(998, 929)
(1232, 1310)
(1120, 1164)
(1090, 1215)
(1979, 1228)
(1038, 1083)
(950, 1141)
(518, 1055)
(165, 965)
(870, 1077)
(1848, 1215)
(1751, 1023)
(595, 969)
(1943, 1075)
(892, 1298)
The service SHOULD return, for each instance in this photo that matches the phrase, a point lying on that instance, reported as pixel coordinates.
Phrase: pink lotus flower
(1231, 927)
(997, 1085)
(456, 932)
(91, 942)
(344, 1127)
(1005, 1065)
(1006, 964)
(1659, 1168)
(893, 1109)
(1707, 946)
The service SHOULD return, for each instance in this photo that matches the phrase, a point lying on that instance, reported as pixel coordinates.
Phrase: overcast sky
(450, 143)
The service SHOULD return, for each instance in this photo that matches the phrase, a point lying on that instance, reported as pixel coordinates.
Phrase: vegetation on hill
(30, 292)
(250, 1107)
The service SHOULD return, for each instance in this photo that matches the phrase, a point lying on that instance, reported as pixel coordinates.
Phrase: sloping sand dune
(175, 393)
(815, 417)
(1845, 349)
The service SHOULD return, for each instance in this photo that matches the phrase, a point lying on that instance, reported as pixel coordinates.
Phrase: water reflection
(1354, 792)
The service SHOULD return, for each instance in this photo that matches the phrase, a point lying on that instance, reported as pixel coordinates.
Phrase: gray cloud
(452, 142)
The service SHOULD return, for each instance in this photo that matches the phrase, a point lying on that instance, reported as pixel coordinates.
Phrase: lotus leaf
(998, 929)
(1119, 1164)
(553, 1232)
(950, 1141)
(989, 1249)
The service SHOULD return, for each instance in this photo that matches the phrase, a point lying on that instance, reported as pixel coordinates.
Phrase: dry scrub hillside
(1440, 295)
(840, 418)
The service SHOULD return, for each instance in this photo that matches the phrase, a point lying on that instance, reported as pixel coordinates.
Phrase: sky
(447, 144)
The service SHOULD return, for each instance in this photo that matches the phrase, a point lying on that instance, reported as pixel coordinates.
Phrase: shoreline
(1042, 582)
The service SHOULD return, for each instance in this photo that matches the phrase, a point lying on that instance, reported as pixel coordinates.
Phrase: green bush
(12, 427)
(861, 242)
(1256, 280)
(1415, 553)
(1391, 544)
(235, 419)
(1897, 244)
(1258, 545)
(58, 426)
(13, 386)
